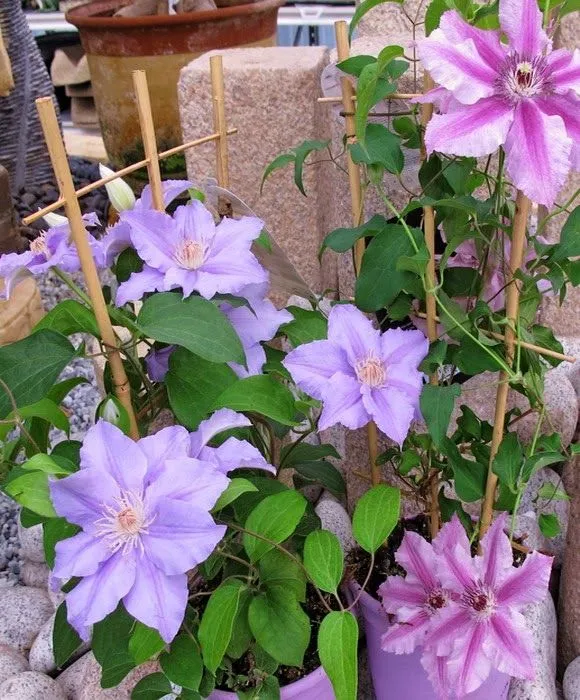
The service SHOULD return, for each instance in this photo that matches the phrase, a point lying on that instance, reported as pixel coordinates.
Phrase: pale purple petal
(189, 281)
(181, 536)
(509, 645)
(235, 454)
(230, 233)
(157, 600)
(169, 443)
(81, 496)
(351, 330)
(106, 448)
(469, 666)
(157, 362)
(187, 479)
(437, 672)
(402, 598)
(195, 222)
(457, 569)
(457, 67)
(497, 553)
(565, 69)
(404, 637)
(80, 555)
(521, 20)
(138, 284)
(154, 237)
(452, 623)
(224, 419)
(255, 359)
(343, 403)
(451, 535)
(487, 42)
(537, 153)
(260, 323)
(418, 559)
(568, 108)
(475, 130)
(116, 240)
(232, 270)
(528, 583)
(391, 409)
(96, 596)
(404, 347)
(170, 190)
(313, 364)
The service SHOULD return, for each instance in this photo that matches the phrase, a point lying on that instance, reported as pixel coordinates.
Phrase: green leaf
(363, 8)
(381, 147)
(49, 464)
(241, 632)
(152, 687)
(31, 491)
(29, 368)
(235, 489)
(550, 492)
(342, 239)
(69, 316)
(549, 525)
(215, 630)
(65, 640)
(433, 14)
(45, 410)
(325, 473)
(375, 516)
(53, 531)
(280, 626)
(450, 507)
(380, 281)
(407, 129)
(127, 263)
(277, 569)
(324, 560)
(145, 643)
(337, 649)
(355, 64)
(308, 325)
(182, 664)
(304, 452)
(110, 646)
(268, 689)
(416, 263)
(569, 245)
(193, 385)
(280, 161)
(365, 93)
(276, 518)
(194, 323)
(260, 394)
(538, 461)
(437, 404)
(508, 461)
(470, 476)
(301, 153)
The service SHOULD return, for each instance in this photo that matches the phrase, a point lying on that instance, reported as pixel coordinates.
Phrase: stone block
(388, 18)
(20, 313)
(271, 98)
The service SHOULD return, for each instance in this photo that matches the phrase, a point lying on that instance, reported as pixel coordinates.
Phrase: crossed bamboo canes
(69, 198)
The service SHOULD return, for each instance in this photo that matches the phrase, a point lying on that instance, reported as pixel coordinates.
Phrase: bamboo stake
(149, 139)
(512, 308)
(343, 51)
(60, 165)
(335, 99)
(522, 343)
(120, 173)
(430, 301)
(219, 124)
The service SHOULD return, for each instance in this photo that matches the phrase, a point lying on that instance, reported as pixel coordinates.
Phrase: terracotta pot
(161, 45)
(402, 676)
(314, 686)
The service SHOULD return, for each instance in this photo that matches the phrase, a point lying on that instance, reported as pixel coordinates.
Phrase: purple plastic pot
(401, 676)
(314, 686)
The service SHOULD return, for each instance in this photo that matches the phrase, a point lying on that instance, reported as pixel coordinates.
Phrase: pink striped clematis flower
(522, 96)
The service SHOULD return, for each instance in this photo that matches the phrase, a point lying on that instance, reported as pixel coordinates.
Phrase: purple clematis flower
(255, 324)
(522, 96)
(52, 248)
(483, 626)
(144, 512)
(188, 251)
(157, 362)
(362, 375)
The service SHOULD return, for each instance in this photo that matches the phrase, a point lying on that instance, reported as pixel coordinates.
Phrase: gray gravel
(80, 403)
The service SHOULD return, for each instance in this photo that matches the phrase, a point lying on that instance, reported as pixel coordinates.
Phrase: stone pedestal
(270, 96)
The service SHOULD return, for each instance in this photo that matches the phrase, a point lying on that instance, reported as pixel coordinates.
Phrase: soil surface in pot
(243, 667)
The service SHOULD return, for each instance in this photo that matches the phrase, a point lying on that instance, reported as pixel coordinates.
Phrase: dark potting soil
(29, 199)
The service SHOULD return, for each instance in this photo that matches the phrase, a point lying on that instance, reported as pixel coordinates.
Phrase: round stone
(11, 663)
(23, 612)
(571, 682)
(31, 543)
(31, 685)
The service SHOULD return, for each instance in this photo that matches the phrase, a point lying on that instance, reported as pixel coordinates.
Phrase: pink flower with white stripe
(522, 96)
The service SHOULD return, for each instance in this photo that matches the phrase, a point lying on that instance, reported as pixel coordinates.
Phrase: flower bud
(111, 410)
(120, 194)
(54, 220)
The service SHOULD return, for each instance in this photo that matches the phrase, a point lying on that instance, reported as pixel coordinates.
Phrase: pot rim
(82, 18)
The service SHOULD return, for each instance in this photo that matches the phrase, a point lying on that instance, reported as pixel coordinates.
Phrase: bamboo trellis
(348, 99)
(69, 199)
